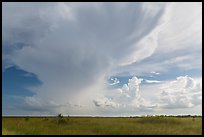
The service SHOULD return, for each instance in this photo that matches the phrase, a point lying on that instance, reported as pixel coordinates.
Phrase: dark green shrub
(27, 118)
(60, 119)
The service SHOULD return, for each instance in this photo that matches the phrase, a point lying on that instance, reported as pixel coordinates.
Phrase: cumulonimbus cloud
(71, 46)
(128, 96)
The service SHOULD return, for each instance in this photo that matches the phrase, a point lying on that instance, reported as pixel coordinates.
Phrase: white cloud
(183, 92)
(131, 90)
(115, 81)
(128, 97)
(152, 81)
(153, 72)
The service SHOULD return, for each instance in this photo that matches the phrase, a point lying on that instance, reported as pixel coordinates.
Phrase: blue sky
(107, 59)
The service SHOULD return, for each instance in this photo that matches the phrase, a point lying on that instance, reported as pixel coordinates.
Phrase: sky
(101, 59)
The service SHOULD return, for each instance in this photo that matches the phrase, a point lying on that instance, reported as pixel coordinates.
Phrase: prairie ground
(102, 126)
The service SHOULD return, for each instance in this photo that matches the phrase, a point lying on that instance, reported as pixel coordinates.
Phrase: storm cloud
(73, 48)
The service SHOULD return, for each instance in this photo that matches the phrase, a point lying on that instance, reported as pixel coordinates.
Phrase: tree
(60, 116)
(60, 119)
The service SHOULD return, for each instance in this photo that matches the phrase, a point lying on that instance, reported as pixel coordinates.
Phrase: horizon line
(96, 115)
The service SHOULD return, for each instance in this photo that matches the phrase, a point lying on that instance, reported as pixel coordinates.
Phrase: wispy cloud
(152, 81)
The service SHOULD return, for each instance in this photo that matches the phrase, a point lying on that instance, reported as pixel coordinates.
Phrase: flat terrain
(99, 125)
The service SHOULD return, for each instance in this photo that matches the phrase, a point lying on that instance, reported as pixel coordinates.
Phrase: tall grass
(103, 126)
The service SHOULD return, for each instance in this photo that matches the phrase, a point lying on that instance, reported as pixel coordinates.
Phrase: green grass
(6, 132)
(103, 126)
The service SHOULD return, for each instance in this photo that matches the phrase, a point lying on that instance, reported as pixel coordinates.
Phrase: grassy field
(102, 126)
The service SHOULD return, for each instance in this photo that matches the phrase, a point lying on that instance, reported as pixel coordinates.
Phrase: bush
(60, 119)
(27, 118)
